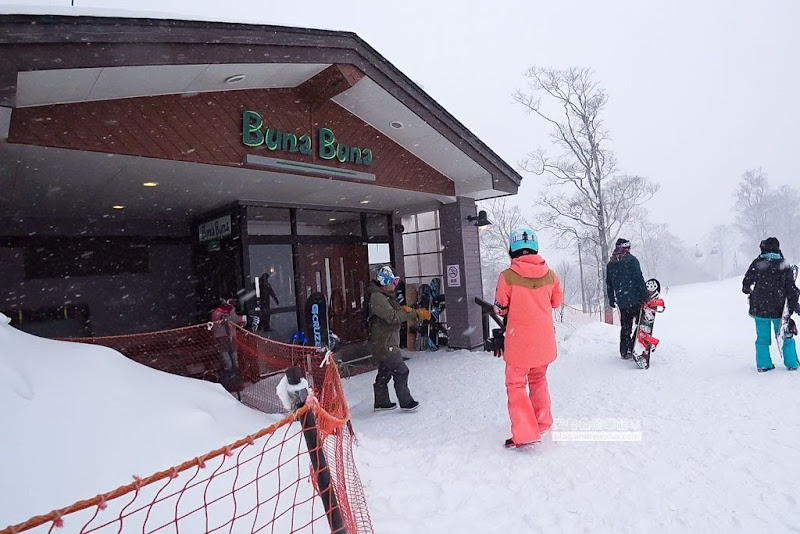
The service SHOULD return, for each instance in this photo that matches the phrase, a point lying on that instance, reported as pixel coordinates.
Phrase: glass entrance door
(272, 272)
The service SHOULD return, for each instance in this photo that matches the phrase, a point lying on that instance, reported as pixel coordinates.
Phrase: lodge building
(150, 167)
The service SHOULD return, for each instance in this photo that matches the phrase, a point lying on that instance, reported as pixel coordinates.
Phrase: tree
(569, 283)
(784, 217)
(762, 212)
(495, 238)
(599, 201)
(654, 244)
(752, 207)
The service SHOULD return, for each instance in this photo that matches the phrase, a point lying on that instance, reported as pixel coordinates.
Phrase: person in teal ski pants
(770, 287)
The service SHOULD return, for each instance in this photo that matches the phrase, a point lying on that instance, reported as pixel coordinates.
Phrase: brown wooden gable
(207, 128)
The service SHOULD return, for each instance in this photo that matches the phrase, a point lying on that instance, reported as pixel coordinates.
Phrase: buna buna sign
(215, 229)
(254, 134)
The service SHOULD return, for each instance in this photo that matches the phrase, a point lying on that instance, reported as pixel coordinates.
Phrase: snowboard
(437, 330)
(317, 320)
(644, 343)
(424, 300)
(788, 328)
(400, 295)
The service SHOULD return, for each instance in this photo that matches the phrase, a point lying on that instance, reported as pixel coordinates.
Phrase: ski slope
(718, 445)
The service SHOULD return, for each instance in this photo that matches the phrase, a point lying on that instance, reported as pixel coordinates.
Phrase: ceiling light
(150, 184)
(396, 125)
(363, 201)
(236, 78)
(332, 219)
(118, 207)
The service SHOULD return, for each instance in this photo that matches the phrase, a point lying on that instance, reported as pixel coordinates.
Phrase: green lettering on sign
(326, 139)
(254, 135)
(305, 144)
(251, 129)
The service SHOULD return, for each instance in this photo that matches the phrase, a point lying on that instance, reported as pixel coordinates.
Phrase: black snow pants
(393, 367)
(626, 318)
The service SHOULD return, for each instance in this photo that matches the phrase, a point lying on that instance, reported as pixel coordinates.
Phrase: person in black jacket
(770, 286)
(626, 290)
(265, 294)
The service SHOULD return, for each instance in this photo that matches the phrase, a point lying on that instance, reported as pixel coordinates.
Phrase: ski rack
(495, 342)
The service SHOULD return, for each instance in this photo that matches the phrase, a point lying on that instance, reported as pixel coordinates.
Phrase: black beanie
(771, 244)
(622, 243)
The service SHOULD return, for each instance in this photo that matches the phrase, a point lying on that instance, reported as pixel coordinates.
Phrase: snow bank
(78, 420)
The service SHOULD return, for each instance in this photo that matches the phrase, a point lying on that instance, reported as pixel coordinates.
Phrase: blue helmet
(523, 238)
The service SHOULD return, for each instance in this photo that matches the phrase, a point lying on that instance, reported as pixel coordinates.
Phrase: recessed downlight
(236, 78)
(118, 207)
(150, 184)
(396, 125)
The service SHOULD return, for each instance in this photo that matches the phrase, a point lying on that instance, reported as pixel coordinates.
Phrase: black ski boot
(382, 402)
(412, 406)
(509, 444)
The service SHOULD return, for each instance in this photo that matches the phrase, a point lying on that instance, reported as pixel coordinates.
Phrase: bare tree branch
(600, 202)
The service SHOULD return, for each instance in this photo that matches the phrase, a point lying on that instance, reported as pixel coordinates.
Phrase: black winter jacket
(624, 281)
(769, 285)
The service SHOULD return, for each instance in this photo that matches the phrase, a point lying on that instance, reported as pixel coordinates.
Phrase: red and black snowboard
(644, 343)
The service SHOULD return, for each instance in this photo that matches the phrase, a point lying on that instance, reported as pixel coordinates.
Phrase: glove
(746, 290)
(254, 321)
(406, 309)
(423, 314)
(612, 303)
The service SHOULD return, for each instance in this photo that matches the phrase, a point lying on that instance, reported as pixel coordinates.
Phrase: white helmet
(385, 277)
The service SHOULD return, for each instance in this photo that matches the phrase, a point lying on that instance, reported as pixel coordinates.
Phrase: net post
(317, 455)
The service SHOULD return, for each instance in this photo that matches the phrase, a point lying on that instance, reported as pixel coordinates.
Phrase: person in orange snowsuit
(526, 294)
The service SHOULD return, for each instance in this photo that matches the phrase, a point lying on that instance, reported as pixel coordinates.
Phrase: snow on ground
(78, 420)
(718, 449)
(717, 452)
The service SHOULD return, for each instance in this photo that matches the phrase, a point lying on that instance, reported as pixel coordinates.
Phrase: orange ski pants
(528, 402)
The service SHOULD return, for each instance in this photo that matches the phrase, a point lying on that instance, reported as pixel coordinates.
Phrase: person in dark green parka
(626, 291)
(385, 317)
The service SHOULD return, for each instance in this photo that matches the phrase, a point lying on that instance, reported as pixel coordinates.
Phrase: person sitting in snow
(526, 294)
(769, 286)
(626, 290)
(385, 317)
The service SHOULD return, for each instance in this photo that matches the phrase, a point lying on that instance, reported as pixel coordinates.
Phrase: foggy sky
(699, 91)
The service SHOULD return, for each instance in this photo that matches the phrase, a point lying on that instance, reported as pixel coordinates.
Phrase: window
(268, 221)
(377, 225)
(422, 247)
(318, 222)
(378, 253)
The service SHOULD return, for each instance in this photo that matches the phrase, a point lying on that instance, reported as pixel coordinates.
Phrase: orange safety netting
(262, 483)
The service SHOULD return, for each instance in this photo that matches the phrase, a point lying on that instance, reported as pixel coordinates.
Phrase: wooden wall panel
(207, 128)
